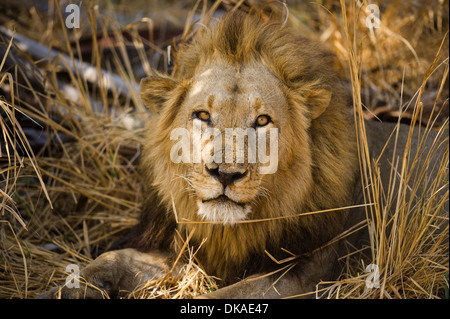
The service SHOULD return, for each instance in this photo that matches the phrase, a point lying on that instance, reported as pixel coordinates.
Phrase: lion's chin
(223, 210)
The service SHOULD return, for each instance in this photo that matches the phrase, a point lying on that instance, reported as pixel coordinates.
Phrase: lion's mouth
(223, 199)
(223, 210)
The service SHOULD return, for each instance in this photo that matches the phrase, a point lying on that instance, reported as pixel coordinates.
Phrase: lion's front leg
(260, 286)
(299, 282)
(264, 286)
(114, 272)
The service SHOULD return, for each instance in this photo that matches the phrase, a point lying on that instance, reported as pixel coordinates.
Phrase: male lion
(245, 73)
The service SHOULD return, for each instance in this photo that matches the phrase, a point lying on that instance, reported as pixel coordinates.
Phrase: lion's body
(242, 56)
(244, 73)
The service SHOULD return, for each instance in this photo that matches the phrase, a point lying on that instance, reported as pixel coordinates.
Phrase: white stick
(41, 52)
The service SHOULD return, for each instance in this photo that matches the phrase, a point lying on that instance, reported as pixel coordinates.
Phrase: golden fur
(292, 79)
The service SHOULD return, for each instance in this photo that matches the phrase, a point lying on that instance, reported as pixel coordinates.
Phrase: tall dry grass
(80, 192)
(408, 223)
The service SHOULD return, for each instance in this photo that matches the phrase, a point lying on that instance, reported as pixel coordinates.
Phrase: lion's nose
(226, 177)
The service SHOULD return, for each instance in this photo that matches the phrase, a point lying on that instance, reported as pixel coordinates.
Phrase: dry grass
(70, 199)
(412, 258)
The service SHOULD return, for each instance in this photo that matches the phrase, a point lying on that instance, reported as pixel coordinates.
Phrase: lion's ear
(319, 98)
(155, 91)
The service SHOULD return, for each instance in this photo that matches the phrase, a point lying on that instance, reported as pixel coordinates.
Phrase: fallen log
(110, 81)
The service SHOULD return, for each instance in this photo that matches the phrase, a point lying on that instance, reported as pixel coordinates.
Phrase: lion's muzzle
(226, 177)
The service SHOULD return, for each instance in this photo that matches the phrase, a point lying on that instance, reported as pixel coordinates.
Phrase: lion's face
(224, 99)
(228, 176)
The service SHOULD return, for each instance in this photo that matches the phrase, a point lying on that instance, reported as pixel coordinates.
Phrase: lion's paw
(111, 275)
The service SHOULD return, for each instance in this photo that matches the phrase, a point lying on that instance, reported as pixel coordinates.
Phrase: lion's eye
(262, 120)
(202, 115)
